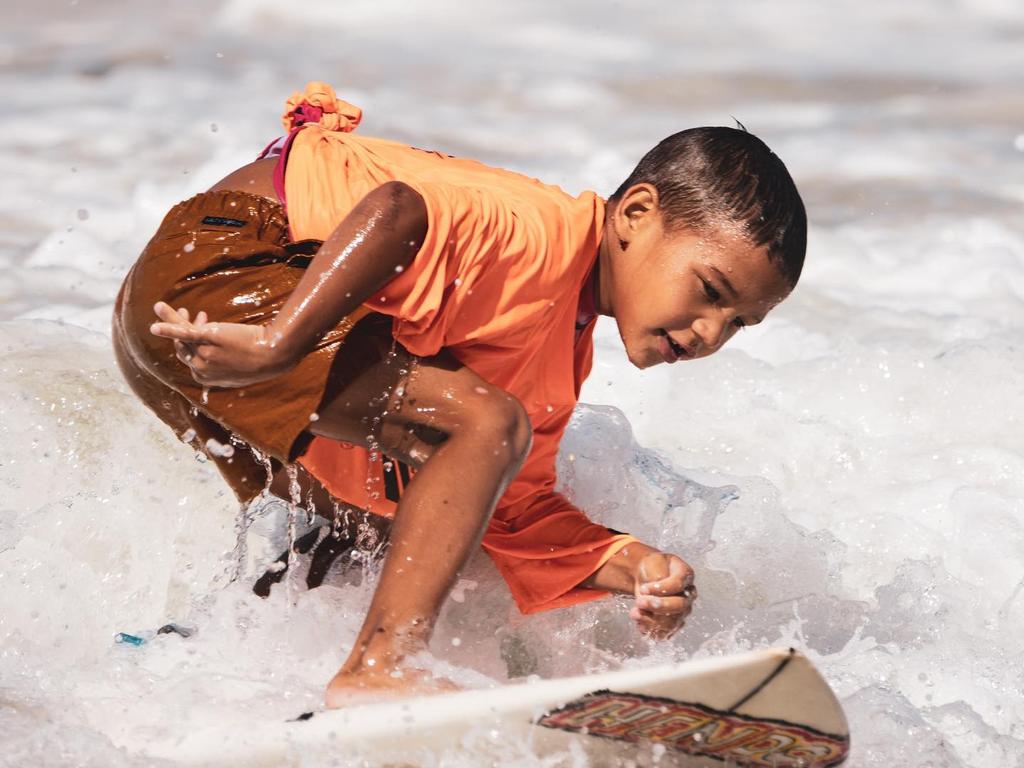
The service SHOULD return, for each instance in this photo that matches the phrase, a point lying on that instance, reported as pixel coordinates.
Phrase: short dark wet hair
(704, 175)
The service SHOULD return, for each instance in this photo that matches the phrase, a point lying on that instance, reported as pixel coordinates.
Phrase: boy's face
(681, 294)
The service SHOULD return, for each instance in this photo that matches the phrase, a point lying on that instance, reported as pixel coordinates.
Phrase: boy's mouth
(670, 349)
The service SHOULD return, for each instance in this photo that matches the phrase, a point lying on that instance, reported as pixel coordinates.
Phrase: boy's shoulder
(516, 189)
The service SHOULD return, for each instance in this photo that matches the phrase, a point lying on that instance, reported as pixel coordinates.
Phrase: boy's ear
(634, 209)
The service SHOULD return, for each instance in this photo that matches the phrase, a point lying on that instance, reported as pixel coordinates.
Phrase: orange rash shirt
(496, 283)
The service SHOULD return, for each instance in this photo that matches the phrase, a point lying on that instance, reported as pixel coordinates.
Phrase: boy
(492, 283)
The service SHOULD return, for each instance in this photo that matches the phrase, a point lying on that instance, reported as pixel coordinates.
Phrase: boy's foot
(351, 690)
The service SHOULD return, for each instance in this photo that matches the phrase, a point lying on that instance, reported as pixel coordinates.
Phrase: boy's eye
(711, 292)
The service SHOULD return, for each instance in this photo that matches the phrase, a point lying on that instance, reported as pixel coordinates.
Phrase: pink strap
(268, 151)
(279, 148)
(302, 114)
(279, 169)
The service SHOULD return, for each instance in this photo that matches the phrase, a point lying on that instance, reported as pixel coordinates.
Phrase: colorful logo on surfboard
(697, 730)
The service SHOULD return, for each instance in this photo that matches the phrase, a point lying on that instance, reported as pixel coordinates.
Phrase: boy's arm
(661, 582)
(551, 555)
(619, 573)
(377, 240)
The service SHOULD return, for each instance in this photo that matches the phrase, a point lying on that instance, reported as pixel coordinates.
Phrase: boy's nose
(709, 334)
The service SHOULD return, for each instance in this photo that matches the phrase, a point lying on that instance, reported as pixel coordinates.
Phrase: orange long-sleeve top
(497, 283)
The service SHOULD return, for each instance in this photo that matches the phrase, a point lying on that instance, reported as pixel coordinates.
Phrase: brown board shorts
(229, 254)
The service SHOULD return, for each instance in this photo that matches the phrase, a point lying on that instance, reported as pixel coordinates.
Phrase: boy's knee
(507, 426)
(522, 431)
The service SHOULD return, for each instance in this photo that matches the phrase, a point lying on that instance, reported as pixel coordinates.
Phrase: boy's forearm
(374, 242)
(619, 573)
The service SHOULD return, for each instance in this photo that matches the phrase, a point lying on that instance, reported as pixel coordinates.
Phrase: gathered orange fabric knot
(320, 104)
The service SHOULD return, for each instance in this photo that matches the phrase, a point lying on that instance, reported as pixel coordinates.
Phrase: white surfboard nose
(766, 708)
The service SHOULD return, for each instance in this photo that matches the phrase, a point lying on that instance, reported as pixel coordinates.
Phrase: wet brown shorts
(227, 253)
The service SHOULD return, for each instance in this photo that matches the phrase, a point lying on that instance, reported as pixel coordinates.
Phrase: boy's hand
(220, 354)
(664, 595)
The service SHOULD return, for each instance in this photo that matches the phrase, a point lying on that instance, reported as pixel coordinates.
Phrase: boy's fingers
(181, 332)
(201, 318)
(207, 352)
(192, 334)
(169, 314)
(678, 567)
(665, 633)
(679, 581)
(190, 353)
(665, 606)
(183, 351)
(657, 628)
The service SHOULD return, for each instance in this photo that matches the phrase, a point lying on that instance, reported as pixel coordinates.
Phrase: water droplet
(215, 448)
(188, 247)
(213, 128)
(314, 417)
(456, 641)
(83, 214)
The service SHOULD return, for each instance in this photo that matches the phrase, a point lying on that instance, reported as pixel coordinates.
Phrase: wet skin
(693, 288)
(679, 294)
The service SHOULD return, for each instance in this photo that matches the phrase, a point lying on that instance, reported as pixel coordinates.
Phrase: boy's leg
(243, 472)
(468, 440)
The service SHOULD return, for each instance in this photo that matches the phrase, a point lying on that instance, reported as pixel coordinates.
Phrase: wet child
(345, 300)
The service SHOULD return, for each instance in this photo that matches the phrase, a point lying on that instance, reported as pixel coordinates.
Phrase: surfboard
(767, 708)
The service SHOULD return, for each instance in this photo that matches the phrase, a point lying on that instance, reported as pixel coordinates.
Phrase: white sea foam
(847, 478)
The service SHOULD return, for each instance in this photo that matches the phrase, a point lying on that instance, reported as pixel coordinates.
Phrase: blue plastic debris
(124, 637)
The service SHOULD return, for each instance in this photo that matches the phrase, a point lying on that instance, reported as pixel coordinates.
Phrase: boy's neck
(598, 285)
(586, 308)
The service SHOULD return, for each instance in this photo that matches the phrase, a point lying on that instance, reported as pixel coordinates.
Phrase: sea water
(846, 478)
